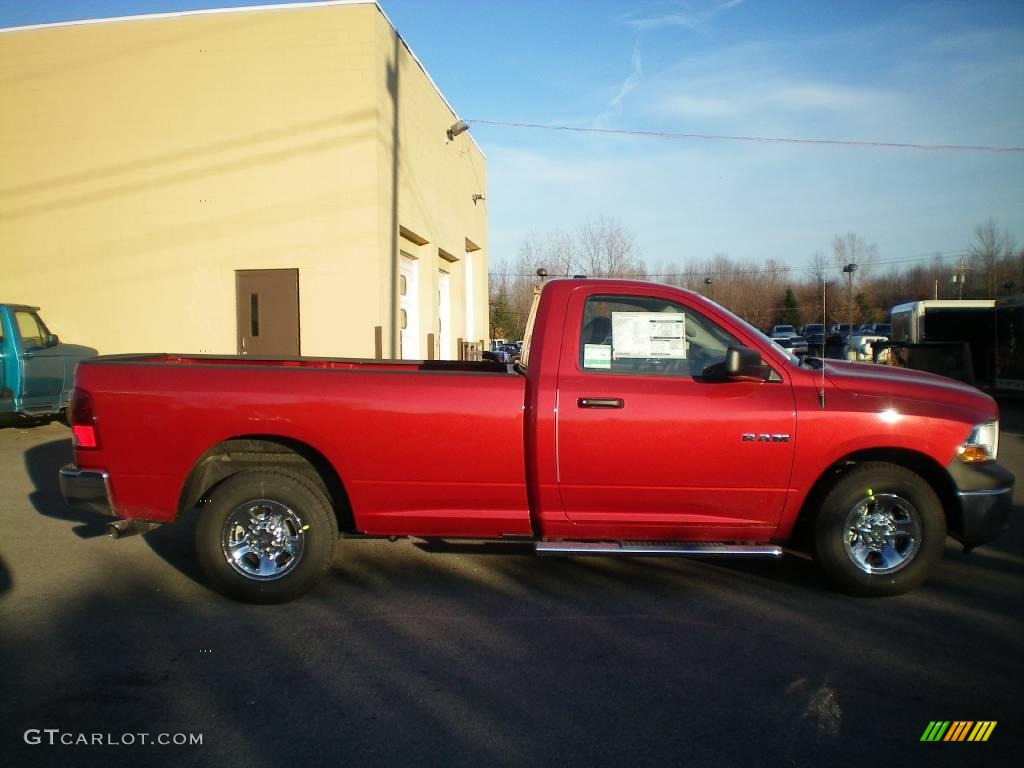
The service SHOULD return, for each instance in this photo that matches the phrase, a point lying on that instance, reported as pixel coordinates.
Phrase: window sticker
(649, 334)
(597, 355)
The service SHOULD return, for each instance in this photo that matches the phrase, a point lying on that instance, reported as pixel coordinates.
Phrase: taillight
(83, 420)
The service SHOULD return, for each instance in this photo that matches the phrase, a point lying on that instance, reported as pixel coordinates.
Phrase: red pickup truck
(641, 420)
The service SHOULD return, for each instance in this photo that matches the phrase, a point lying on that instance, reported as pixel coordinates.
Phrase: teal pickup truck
(37, 370)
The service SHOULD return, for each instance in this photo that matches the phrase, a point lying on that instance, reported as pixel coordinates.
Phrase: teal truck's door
(42, 364)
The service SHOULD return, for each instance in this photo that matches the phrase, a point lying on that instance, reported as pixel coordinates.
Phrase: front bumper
(86, 488)
(984, 500)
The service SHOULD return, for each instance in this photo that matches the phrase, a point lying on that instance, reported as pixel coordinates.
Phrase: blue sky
(930, 73)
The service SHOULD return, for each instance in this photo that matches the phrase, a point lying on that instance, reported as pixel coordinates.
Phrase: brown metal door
(267, 302)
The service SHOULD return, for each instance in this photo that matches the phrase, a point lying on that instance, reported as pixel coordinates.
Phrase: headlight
(982, 445)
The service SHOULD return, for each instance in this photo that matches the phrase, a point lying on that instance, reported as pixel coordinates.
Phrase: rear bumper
(86, 488)
(984, 500)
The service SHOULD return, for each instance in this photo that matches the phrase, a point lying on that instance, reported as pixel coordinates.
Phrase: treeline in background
(990, 265)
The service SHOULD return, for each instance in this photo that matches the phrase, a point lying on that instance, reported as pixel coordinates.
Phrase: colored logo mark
(958, 730)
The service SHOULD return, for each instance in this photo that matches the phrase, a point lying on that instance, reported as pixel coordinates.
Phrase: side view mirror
(52, 340)
(741, 363)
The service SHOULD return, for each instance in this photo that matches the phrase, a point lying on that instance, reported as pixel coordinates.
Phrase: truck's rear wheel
(880, 530)
(265, 536)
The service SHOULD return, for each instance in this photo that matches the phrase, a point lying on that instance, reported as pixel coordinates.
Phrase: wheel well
(229, 457)
(918, 463)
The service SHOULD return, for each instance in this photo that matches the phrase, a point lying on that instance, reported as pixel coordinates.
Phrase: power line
(755, 139)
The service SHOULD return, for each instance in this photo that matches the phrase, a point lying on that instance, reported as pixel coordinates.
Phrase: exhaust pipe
(121, 528)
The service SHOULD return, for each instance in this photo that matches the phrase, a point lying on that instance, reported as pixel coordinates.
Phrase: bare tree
(819, 266)
(991, 254)
(756, 291)
(851, 248)
(607, 249)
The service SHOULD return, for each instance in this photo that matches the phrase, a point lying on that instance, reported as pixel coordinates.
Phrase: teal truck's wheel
(880, 530)
(265, 536)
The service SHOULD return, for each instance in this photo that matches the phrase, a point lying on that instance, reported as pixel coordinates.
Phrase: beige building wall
(145, 160)
(436, 183)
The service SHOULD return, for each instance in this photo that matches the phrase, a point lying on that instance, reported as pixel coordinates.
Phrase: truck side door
(646, 444)
(42, 364)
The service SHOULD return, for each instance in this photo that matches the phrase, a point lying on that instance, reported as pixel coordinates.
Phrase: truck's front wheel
(265, 536)
(880, 530)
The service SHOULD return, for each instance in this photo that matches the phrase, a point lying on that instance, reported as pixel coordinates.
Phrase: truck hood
(871, 380)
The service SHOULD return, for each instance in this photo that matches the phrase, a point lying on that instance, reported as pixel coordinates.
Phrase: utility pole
(960, 276)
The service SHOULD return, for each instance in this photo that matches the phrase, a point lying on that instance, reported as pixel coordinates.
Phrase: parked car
(862, 346)
(36, 368)
(497, 356)
(843, 330)
(783, 331)
(796, 344)
(643, 420)
(814, 335)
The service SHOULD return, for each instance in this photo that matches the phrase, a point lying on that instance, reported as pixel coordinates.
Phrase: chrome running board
(676, 549)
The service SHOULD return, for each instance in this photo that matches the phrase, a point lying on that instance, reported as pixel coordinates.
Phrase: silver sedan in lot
(794, 344)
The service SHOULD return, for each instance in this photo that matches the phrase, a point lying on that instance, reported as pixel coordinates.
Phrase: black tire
(880, 530)
(265, 536)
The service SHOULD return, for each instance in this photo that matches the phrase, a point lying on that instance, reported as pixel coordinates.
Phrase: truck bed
(423, 447)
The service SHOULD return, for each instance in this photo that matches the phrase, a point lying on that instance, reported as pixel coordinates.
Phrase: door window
(648, 336)
(33, 332)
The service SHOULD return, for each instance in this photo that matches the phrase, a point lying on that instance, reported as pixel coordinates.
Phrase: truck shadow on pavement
(43, 463)
(6, 582)
(791, 569)
(173, 543)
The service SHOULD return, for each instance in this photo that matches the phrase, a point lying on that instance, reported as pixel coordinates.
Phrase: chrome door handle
(601, 402)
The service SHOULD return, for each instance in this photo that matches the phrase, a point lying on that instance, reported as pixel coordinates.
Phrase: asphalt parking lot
(484, 655)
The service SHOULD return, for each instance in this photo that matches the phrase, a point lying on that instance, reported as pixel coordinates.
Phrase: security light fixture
(460, 127)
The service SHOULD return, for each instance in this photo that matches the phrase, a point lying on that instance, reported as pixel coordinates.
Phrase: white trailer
(910, 320)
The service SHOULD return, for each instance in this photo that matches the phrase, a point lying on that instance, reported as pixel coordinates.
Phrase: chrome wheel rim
(882, 533)
(263, 539)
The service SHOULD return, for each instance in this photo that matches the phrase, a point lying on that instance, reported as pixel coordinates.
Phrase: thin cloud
(670, 20)
(691, 20)
(745, 94)
(629, 85)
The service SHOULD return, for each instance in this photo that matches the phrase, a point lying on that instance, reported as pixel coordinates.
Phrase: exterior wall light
(460, 127)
